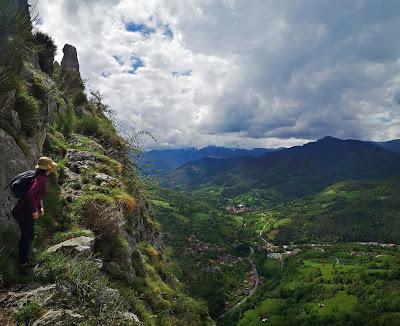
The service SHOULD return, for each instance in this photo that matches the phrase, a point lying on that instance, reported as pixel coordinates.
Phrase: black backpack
(21, 183)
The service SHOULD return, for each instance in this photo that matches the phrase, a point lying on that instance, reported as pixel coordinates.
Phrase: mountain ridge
(314, 165)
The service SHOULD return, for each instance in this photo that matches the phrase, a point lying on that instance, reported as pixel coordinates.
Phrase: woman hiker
(30, 207)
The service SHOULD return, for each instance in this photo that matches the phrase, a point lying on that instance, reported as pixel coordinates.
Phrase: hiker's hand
(41, 212)
(35, 215)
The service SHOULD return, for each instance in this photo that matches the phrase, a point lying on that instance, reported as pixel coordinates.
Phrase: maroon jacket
(32, 201)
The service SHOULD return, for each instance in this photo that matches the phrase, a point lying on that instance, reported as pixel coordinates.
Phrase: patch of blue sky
(182, 73)
(136, 64)
(167, 32)
(139, 28)
(118, 59)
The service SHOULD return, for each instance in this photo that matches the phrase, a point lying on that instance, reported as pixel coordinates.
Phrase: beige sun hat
(46, 163)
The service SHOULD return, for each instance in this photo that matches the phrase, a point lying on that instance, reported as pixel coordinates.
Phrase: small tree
(46, 50)
(15, 30)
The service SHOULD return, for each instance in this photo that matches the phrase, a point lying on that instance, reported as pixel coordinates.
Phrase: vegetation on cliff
(98, 251)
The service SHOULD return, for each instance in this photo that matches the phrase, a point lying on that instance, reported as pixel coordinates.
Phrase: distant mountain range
(162, 161)
(391, 145)
(292, 172)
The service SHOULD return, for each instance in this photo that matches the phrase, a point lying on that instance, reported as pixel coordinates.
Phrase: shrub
(79, 98)
(80, 286)
(127, 202)
(28, 111)
(15, 28)
(66, 122)
(102, 216)
(39, 89)
(55, 145)
(90, 125)
(46, 50)
(28, 313)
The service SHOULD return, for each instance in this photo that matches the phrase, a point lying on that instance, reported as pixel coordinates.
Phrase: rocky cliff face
(20, 150)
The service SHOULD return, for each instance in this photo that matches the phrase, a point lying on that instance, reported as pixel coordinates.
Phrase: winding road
(252, 291)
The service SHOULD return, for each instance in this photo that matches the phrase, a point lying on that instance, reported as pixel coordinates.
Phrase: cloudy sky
(245, 73)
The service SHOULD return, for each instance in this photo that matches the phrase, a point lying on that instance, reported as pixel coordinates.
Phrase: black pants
(27, 228)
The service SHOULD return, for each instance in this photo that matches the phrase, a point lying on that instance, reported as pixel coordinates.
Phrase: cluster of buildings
(199, 248)
(238, 209)
(378, 244)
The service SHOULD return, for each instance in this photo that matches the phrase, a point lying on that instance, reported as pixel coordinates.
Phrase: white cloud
(239, 73)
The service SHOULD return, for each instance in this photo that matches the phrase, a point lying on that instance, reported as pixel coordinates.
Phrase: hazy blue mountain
(164, 160)
(391, 145)
(292, 172)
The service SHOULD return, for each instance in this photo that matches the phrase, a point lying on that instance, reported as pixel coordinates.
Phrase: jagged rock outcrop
(70, 76)
(70, 59)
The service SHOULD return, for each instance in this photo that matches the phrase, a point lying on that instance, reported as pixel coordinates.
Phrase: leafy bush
(15, 29)
(28, 111)
(55, 144)
(28, 313)
(90, 125)
(46, 50)
(66, 122)
(79, 98)
(39, 89)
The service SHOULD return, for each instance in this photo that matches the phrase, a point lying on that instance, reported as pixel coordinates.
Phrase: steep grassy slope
(98, 251)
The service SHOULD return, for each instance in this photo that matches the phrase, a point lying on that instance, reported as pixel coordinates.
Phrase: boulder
(104, 180)
(41, 294)
(61, 317)
(71, 185)
(74, 155)
(80, 245)
(82, 111)
(132, 318)
(79, 161)
(120, 270)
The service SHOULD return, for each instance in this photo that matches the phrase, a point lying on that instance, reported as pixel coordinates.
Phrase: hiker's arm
(35, 193)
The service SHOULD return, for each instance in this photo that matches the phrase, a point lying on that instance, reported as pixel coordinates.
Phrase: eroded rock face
(18, 151)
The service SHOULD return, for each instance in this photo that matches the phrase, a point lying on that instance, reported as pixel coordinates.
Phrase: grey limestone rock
(80, 246)
(60, 317)
(41, 294)
(70, 58)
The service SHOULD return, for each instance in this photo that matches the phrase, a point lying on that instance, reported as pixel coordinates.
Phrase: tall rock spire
(70, 75)
(70, 59)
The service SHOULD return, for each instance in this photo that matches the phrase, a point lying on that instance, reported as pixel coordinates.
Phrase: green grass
(312, 288)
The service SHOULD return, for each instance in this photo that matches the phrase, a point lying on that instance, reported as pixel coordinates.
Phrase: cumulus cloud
(239, 73)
